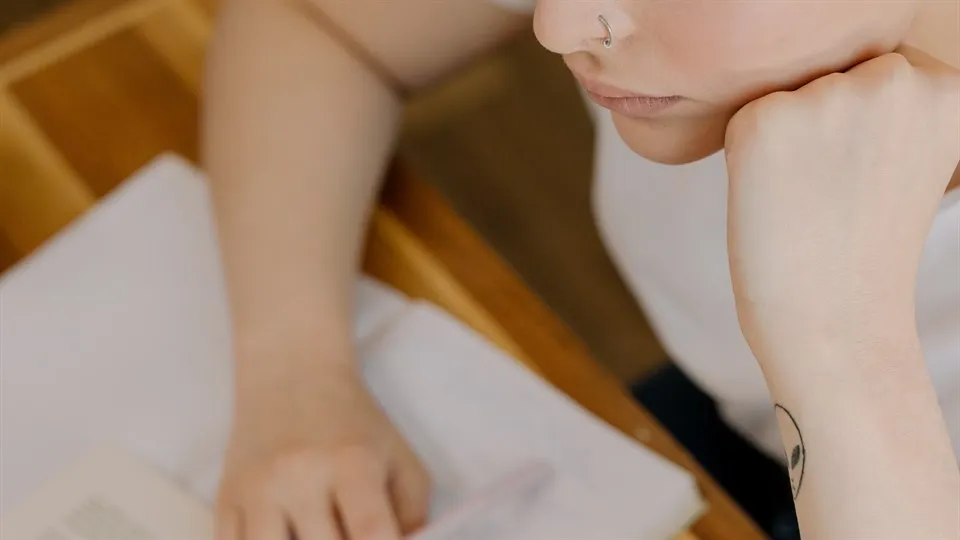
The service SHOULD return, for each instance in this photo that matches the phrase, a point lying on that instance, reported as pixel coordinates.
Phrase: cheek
(728, 52)
(741, 27)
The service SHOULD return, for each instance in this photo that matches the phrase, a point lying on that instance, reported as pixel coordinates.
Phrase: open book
(115, 336)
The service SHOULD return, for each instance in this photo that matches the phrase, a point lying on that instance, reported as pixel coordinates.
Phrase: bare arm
(826, 231)
(302, 105)
(865, 441)
(301, 111)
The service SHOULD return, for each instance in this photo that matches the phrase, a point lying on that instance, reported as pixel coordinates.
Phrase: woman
(837, 153)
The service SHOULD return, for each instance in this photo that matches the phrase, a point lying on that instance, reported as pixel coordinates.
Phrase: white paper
(109, 495)
(474, 414)
(116, 332)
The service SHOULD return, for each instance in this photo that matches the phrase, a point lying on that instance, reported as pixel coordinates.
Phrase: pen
(508, 491)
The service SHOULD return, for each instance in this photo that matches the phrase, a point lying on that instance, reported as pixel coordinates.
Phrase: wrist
(268, 353)
(824, 371)
(796, 342)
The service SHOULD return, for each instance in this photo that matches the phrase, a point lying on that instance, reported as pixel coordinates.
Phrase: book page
(473, 415)
(109, 495)
(146, 319)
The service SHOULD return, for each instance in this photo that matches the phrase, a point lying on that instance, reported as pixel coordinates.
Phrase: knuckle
(897, 72)
(293, 459)
(416, 494)
(369, 526)
(358, 457)
(260, 488)
(306, 498)
(775, 108)
(300, 469)
(896, 64)
(225, 504)
(773, 114)
(296, 473)
(226, 492)
(775, 101)
(271, 480)
(833, 83)
(836, 92)
(760, 115)
(300, 456)
(239, 489)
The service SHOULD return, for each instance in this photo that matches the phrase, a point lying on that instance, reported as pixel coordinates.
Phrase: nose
(569, 26)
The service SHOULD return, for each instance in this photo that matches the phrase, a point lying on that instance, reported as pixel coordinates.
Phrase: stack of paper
(116, 334)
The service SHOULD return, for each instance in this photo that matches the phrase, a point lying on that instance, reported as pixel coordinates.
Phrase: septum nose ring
(607, 41)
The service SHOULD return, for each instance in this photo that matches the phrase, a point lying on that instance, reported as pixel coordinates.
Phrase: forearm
(875, 460)
(297, 133)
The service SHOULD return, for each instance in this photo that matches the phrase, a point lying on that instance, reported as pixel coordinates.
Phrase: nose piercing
(607, 41)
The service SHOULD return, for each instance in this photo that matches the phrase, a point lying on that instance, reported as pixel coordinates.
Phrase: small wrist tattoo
(794, 447)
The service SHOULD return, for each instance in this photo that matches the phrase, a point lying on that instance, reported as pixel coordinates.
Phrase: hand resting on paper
(312, 454)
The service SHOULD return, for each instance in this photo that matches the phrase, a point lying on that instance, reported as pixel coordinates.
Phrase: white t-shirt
(665, 229)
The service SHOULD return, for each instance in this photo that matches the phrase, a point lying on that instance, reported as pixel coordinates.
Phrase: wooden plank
(39, 191)
(65, 32)
(17, 14)
(545, 340)
(398, 258)
(52, 25)
(179, 33)
(124, 106)
(9, 254)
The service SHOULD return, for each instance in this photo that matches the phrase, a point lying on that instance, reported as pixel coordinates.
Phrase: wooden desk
(95, 90)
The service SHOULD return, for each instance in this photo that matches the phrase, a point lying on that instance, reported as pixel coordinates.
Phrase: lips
(635, 106)
(627, 103)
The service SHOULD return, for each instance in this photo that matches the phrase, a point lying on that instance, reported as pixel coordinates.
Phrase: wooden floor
(507, 141)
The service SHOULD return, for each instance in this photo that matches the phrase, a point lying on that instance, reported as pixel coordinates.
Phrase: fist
(833, 190)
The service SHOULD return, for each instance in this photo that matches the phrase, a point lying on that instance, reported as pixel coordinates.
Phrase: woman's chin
(673, 141)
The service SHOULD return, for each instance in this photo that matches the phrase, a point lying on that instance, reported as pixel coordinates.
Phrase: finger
(364, 505)
(312, 517)
(228, 524)
(264, 523)
(410, 494)
(319, 524)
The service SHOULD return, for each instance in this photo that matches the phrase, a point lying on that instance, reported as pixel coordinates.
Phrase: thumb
(410, 490)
